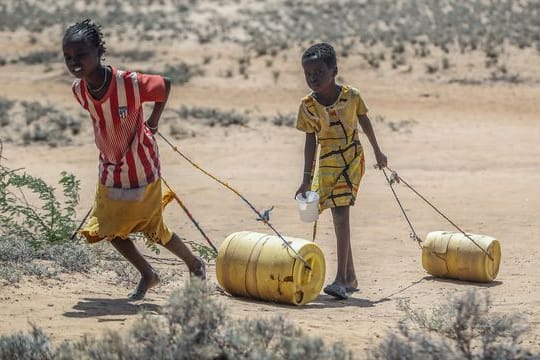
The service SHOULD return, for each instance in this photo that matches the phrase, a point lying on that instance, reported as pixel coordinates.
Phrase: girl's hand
(302, 189)
(382, 161)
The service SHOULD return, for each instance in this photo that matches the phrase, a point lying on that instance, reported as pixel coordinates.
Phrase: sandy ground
(472, 150)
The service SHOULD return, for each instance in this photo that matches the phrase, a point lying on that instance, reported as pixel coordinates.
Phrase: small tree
(51, 223)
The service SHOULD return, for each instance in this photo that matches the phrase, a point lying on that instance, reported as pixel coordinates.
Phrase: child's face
(318, 75)
(81, 58)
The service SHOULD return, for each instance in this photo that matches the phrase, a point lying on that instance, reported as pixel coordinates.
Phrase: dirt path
(471, 150)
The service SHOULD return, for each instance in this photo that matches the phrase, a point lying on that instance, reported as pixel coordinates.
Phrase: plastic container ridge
(261, 266)
(453, 255)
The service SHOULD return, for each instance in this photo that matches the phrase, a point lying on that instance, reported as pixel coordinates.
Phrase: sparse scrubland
(462, 43)
(435, 39)
(194, 325)
(463, 328)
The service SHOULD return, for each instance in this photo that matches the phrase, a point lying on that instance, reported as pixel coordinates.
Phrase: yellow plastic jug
(261, 266)
(453, 255)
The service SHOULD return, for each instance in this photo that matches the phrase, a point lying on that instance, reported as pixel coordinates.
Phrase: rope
(391, 181)
(80, 225)
(260, 216)
(395, 177)
(313, 169)
(173, 194)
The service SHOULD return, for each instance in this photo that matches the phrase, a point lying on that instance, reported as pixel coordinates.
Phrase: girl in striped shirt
(128, 195)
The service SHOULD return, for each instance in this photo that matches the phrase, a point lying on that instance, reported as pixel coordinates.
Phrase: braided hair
(87, 31)
(323, 52)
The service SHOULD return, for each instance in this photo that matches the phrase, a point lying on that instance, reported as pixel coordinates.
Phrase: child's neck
(328, 96)
(97, 82)
(95, 79)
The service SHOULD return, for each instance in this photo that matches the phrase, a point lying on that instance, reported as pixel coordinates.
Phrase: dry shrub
(284, 119)
(212, 116)
(462, 329)
(193, 325)
(36, 345)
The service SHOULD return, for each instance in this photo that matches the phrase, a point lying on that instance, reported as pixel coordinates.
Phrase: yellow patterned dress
(341, 158)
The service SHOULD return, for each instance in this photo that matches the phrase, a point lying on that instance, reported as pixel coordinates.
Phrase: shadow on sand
(462, 282)
(94, 307)
(326, 301)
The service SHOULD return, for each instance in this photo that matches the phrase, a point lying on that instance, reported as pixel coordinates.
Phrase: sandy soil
(472, 150)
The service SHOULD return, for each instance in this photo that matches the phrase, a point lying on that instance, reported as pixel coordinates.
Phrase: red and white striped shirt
(129, 155)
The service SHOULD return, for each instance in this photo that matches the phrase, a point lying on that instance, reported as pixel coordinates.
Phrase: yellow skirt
(338, 176)
(115, 215)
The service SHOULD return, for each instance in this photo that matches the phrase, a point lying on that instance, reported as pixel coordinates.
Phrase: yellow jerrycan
(261, 266)
(453, 255)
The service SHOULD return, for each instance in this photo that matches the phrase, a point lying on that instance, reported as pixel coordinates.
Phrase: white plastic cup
(308, 206)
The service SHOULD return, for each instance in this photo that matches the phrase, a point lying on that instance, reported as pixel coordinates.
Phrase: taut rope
(260, 216)
(396, 178)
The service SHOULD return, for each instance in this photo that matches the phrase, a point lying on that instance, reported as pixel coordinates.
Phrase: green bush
(50, 223)
(205, 252)
(35, 227)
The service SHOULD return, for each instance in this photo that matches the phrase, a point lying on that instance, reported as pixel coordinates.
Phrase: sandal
(337, 291)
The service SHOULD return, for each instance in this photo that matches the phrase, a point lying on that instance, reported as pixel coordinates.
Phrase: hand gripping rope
(260, 216)
(395, 178)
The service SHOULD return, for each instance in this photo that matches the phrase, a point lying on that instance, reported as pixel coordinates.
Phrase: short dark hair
(323, 52)
(88, 31)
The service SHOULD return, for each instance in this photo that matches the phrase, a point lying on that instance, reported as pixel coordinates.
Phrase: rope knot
(265, 215)
(394, 178)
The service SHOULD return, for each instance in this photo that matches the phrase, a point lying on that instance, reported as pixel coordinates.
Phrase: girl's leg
(352, 282)
(149, 277)
(340, 216)
(195, 264)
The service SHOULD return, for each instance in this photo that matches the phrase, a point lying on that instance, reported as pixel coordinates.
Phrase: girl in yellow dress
(329, 116)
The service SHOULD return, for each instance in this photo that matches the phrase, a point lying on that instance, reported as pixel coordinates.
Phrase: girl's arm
(153, 120)
(309, 155)
(365, 123)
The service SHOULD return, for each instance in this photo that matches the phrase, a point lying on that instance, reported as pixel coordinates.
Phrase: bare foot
(200, 270)
(146, 282)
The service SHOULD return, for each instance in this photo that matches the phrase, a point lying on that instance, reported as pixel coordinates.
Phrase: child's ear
(335, 71)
